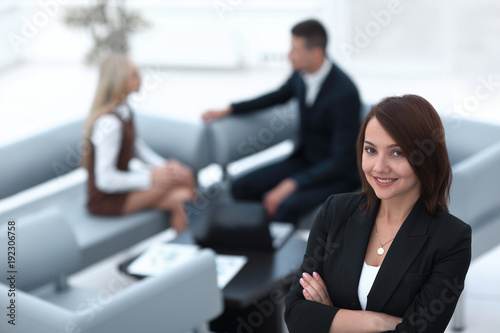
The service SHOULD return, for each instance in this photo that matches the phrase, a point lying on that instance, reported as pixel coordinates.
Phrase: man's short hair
(313, 32)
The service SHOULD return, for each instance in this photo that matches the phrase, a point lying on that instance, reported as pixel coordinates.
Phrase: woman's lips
(384, 182)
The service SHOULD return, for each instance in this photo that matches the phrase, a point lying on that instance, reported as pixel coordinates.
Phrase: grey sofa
(42, 301)
(48, 163)
(473, 147)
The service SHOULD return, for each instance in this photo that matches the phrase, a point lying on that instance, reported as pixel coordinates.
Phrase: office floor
(37, 96)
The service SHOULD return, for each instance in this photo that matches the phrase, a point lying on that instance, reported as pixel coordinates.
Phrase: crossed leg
(171, 199)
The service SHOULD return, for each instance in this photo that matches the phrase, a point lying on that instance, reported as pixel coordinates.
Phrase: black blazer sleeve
(432, 308)
(302, 315)
(282, 95)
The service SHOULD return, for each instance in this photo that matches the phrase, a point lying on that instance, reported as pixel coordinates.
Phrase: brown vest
(101, 203)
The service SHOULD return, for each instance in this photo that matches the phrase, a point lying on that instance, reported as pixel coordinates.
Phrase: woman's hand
(363, 321)
(162, 177)
(389, 322)
(169, 175)
(315, 289)
(346, 320)
(178, 170)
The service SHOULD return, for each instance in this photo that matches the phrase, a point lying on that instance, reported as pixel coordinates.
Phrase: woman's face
(385, 167)
(133, 83)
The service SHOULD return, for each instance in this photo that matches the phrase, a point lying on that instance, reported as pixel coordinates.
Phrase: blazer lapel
(406, 246)
(357, 235)
(329, 82)
(301, 95)
(301, 91)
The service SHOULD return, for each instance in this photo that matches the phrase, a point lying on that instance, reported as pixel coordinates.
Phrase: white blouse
(368, 275)
(106, 138)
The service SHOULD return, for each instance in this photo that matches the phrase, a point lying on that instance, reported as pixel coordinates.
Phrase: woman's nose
(381, 164)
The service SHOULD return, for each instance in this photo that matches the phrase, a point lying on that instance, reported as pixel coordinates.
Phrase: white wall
(389, 37)
(10, 15)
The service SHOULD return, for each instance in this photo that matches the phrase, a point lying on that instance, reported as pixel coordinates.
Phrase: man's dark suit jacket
(328, 128)
(420, 279)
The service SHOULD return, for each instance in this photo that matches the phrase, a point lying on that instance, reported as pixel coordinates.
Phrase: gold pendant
(380, 251)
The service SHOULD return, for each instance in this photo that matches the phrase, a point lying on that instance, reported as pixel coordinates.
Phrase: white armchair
(46, 250)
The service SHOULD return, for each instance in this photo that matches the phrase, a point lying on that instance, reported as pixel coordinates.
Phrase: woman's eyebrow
(394, 145)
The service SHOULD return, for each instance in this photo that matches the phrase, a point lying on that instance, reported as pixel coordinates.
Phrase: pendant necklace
(380, 250)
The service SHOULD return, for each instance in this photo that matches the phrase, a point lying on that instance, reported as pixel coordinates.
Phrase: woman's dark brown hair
(415, 126)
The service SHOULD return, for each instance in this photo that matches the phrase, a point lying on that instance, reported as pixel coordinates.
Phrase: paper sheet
(227, 267)
(280, 232)
(161, 257)
(166, 256)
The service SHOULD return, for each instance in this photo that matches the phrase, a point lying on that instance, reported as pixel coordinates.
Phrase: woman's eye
(369, 150)
(398, 153)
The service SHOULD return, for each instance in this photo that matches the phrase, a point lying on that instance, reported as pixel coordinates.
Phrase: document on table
(227, 267)
(161, 257)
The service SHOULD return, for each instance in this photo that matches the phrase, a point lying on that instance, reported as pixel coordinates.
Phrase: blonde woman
(113, 188)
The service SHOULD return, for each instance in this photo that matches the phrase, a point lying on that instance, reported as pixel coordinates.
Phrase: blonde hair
(109, 94)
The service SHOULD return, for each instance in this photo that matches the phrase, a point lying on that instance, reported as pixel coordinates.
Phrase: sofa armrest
(33, 314)
(237, 136)
(175, 301)
(475, 190)
(172, 138)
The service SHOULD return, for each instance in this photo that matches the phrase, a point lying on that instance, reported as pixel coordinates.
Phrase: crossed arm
(346, 320)
(309, 306)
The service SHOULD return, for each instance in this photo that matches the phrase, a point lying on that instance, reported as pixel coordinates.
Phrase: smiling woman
(413, 127)
(385, 167)
(391, 258)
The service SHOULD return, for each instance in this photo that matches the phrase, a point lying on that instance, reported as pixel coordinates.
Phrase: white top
(368, 275)
(313, 81)
(107, 138)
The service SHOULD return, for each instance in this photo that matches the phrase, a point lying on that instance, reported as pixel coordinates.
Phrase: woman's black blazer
(420, 279)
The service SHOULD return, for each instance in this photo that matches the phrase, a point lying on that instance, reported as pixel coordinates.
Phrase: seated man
(325, 160)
